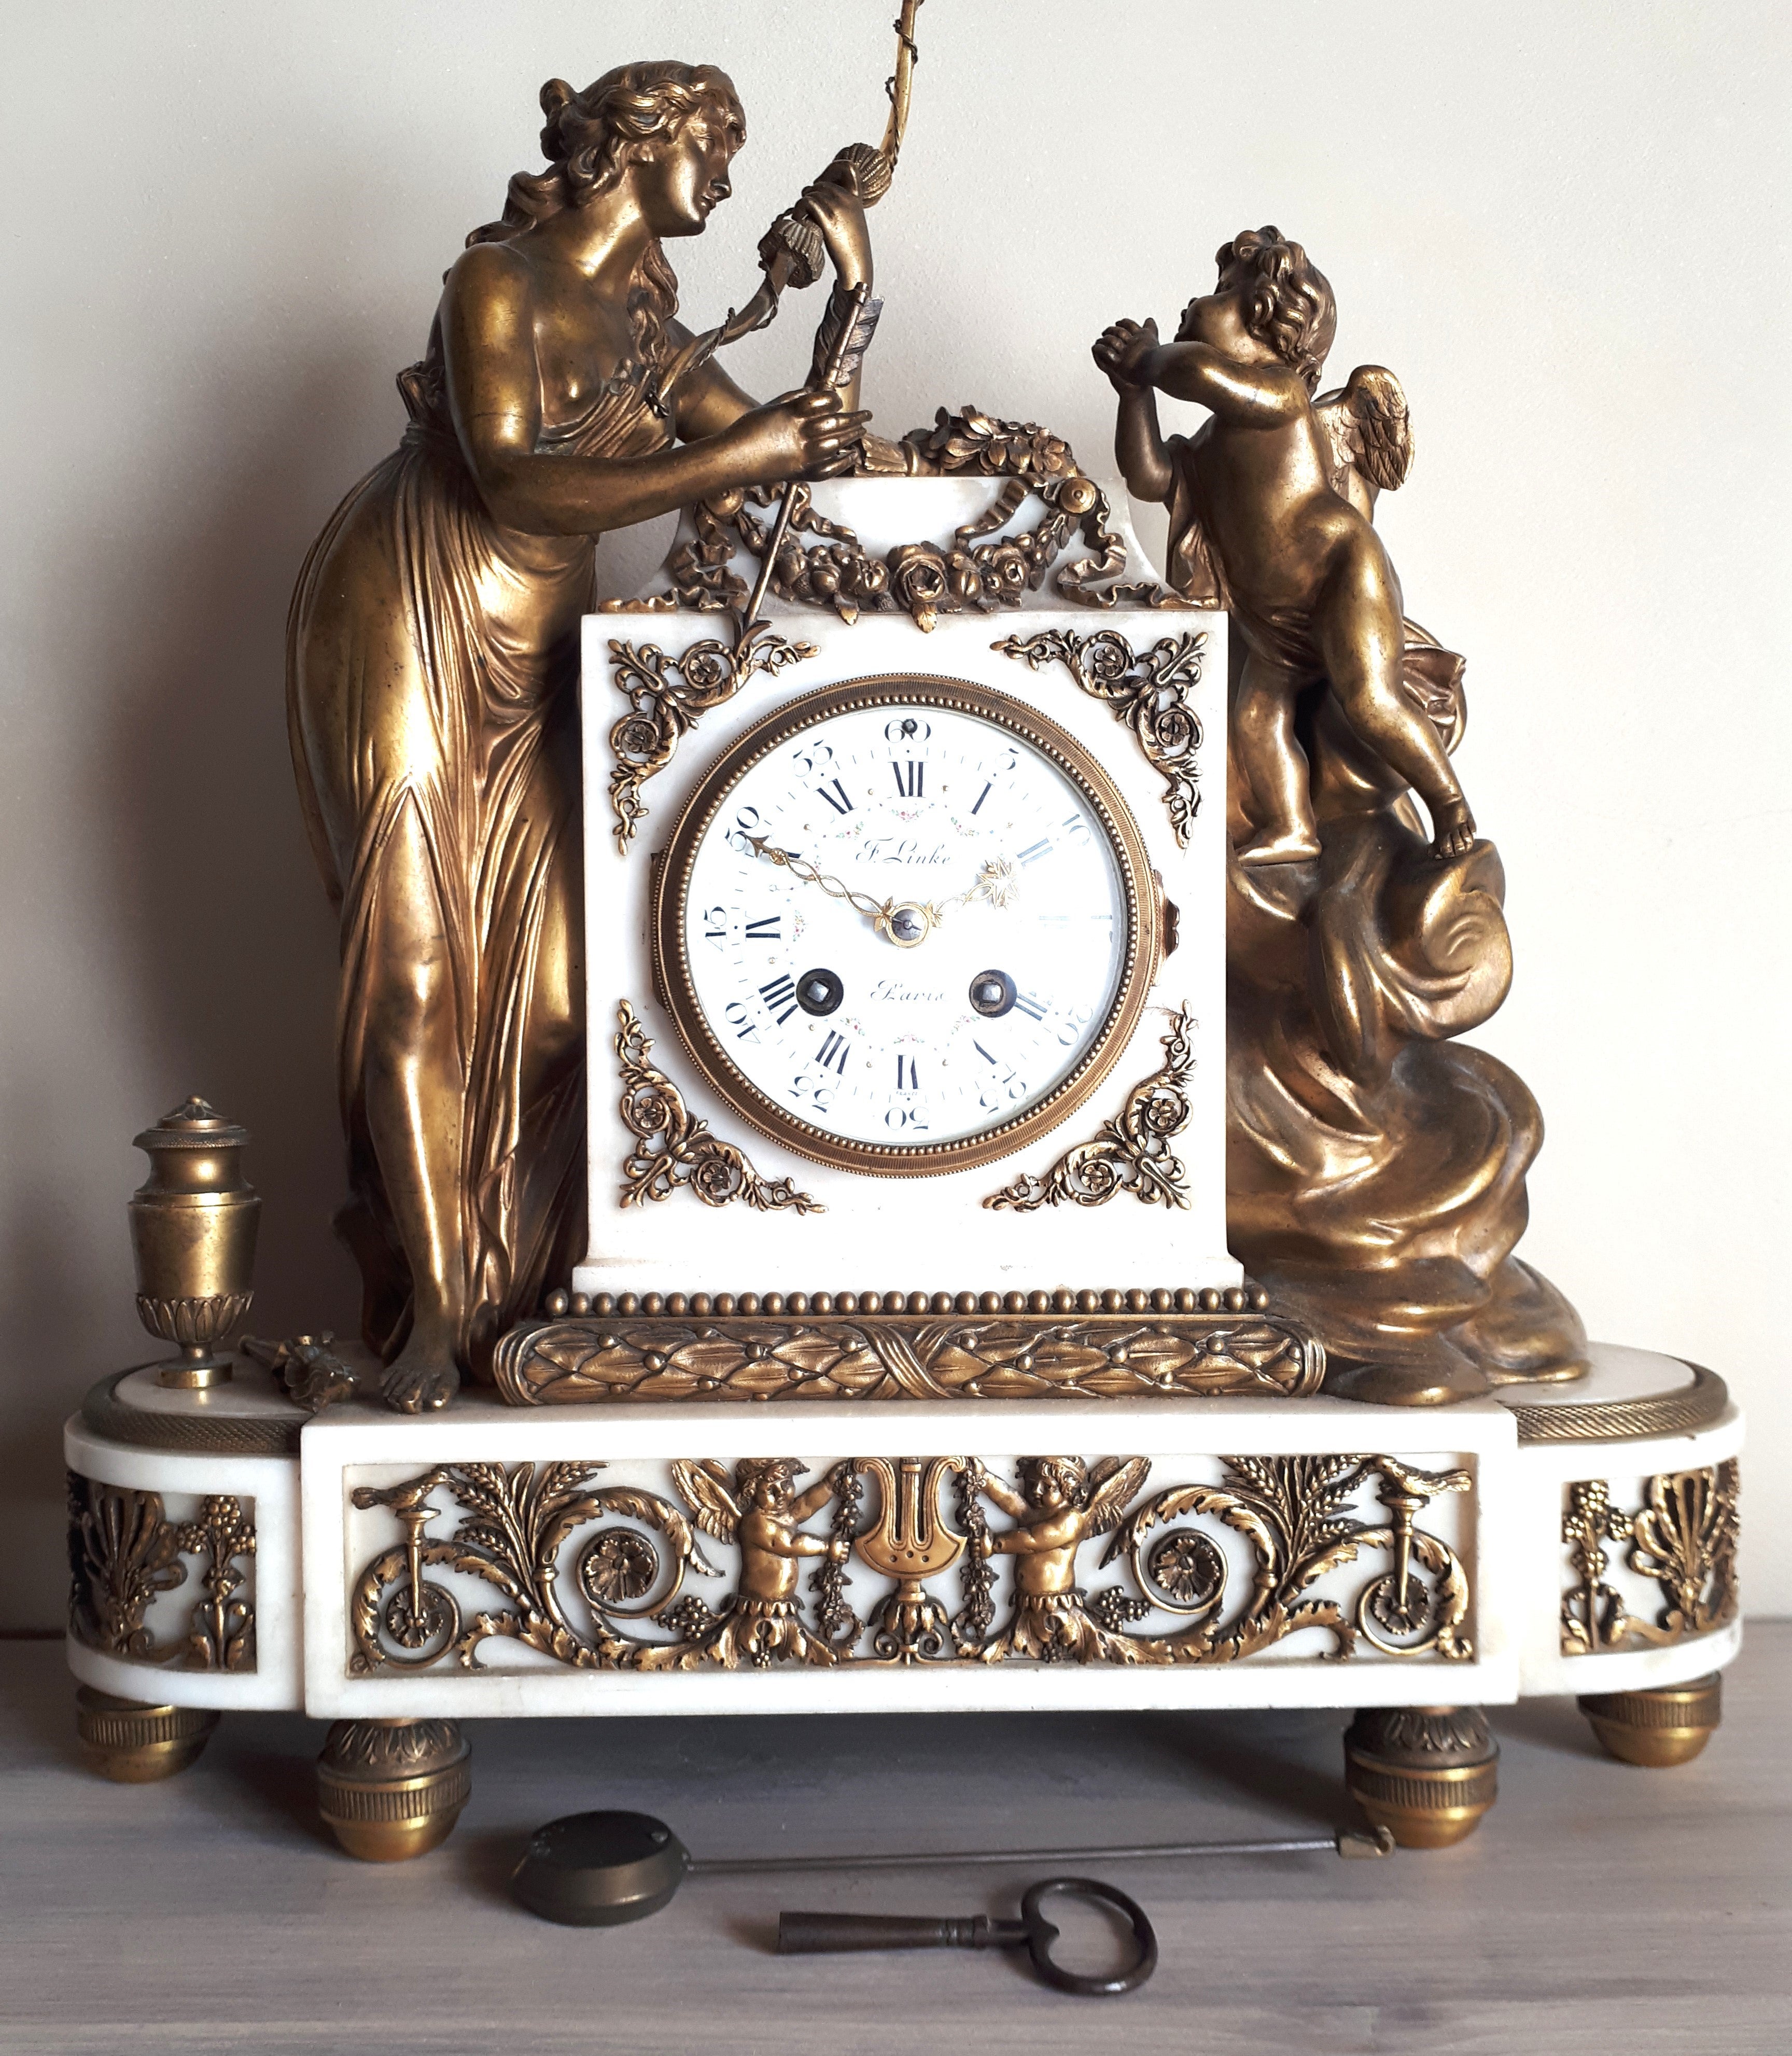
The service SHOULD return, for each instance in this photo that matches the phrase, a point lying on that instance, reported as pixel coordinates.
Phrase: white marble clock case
(930, 1234)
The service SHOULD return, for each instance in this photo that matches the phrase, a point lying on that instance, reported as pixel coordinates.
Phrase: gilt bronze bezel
(1140, 956)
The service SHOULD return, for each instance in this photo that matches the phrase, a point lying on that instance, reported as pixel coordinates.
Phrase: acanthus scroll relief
(1134, 1153)
(1682, 1539)
(124, 1553)
(1146, 693)
(905, 1565)
(668, 695)
(674, 1150)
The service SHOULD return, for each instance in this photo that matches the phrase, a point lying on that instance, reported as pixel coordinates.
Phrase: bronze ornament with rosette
(1132, 1153)
(674, 1150)
(1145, 694)
(1683, 1537)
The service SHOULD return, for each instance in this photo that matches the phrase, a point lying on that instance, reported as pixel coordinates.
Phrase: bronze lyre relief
(432, 673)
(1375, 1169)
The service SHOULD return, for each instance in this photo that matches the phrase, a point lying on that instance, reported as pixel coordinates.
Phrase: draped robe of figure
(432, 699)
(1374, 1168)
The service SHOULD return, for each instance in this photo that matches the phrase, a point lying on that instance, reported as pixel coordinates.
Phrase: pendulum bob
(1425, 1773)
(600, 1870)
(391, 1789)
(135, 1743)
(193, 1223)
(1660, 1727)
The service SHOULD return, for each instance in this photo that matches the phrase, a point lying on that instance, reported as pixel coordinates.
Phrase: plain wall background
(1562, 223)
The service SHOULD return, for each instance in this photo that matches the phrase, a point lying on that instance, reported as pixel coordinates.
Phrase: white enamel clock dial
(905, 925)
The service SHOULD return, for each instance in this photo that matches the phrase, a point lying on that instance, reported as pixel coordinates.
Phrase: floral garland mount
(977, 572)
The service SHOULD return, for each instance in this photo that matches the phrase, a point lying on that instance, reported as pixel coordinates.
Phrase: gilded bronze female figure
(431, 671)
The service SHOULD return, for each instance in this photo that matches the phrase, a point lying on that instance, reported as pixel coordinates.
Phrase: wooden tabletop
(1600, 1908)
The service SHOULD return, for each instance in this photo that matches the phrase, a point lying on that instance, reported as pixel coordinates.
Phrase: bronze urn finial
(193, 1223)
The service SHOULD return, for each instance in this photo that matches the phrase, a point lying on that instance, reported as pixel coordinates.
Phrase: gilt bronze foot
(135, 1743)
(1425, 1773)
(390, 1789)
(1658, 1728)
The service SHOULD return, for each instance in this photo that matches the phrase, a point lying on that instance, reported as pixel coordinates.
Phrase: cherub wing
(1368, 431)
(705, 1488)
(1111, 1483)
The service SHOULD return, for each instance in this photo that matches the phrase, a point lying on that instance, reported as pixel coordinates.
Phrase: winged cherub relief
(760, 1512)
(1375, 1169)
(1062, 1503)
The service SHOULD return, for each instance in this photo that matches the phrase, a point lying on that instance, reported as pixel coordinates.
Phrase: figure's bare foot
(422, 1378)
(1296, 845)
(1455, 830)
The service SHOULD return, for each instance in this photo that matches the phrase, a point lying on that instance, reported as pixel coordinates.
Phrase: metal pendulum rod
(601, 1870)
(1345, 1843)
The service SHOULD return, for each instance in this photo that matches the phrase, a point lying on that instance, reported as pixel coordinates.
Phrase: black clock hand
(904, 921)
(876, 912)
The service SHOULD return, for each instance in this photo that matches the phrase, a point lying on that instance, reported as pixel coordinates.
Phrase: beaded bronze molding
(595, 1575)
(124, 1553)
(1684, 1538)
(873, 1346)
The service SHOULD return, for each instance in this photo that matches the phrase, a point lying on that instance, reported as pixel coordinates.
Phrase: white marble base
(312, 1546)
(1545, 1473)
(1180, 1438)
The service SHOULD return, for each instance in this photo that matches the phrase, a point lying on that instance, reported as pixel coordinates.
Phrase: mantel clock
(911, 948)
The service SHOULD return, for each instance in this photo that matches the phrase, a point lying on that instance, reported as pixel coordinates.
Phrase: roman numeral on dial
(764, 930)
(780, 997)
(1034, 1009)
(907, 1078)
(832, 1054)
(835, 795)
(1041, 848)
(909, 778)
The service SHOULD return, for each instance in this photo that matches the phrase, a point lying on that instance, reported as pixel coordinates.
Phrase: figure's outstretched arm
(709, 400)
(1249, 395)
(494, 388)
(811, 1501)
(1012, 1502)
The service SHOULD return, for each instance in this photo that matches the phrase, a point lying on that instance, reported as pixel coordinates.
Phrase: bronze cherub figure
(1255, 501)
(1375, 1169)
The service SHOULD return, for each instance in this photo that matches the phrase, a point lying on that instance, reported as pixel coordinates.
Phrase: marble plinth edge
(1509, 1533)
